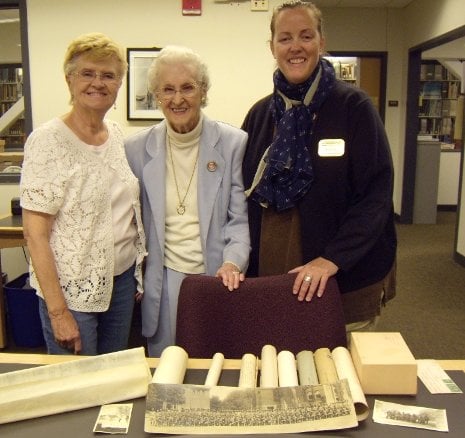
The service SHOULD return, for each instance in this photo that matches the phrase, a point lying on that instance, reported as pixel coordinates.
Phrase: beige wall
(426, 19)
(232, 39)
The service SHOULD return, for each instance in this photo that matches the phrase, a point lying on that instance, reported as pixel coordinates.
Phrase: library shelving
(11, 90)
(439, 90)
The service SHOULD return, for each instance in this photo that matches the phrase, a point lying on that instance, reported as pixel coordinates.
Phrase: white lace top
(62, 177)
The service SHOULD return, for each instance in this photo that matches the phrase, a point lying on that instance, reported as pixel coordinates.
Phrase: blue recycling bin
(22, 310)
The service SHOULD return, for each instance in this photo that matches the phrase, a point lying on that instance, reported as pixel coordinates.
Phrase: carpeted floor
(429, 309)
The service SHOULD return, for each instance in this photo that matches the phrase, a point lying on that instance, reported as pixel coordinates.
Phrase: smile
(96, 93)
(297, 60)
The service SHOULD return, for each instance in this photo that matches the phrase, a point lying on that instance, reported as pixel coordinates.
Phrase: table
(202, 364)
(80, 423)
(11, 236)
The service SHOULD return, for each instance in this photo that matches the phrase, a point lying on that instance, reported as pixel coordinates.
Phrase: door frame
(411, 121)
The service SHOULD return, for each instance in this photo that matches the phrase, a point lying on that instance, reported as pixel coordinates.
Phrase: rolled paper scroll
(306, 368)
(214, 371)
(248, 373)
(72, 385)
(325, 367)
(172, 366)
(287, 370)
(346, 370)
(268, 367)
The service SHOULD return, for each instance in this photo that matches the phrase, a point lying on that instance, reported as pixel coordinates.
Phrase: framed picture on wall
(142, 105)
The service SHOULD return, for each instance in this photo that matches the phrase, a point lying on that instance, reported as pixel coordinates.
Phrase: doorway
(15, 91)
(412, 126)
(412, 130)
(370, 74)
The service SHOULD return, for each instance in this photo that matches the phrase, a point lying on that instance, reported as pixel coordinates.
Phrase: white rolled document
(248, 372)
(72, 385)
(172, 366)
(346, 370)
(269, 367)
(214, 372)
(287, 369)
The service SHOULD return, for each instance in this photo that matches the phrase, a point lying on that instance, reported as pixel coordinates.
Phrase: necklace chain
(181, 208)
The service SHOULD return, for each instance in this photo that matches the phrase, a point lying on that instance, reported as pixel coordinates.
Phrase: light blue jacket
(224, 229)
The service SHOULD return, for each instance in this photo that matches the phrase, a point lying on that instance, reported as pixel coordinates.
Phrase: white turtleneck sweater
(183, 249)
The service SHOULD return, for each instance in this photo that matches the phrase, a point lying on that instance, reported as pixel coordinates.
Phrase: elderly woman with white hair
(193, 202)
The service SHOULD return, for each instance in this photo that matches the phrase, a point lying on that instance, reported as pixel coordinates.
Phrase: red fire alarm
(191, 7)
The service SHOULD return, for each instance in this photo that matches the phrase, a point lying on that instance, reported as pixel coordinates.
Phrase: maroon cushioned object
(262, 311)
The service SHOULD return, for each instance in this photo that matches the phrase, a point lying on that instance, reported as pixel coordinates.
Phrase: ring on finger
(308, 278)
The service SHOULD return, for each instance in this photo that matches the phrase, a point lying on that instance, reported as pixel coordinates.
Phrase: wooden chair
(262, 311)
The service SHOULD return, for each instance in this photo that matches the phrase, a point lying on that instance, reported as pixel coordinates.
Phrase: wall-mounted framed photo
(142, 105)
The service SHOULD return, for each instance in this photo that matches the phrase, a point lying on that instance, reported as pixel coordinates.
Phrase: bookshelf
(11, 91)
(345, 68)
(439, 90)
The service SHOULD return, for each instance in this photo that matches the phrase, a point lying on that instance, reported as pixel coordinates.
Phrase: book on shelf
(449, 108)
(453, 90)
(447, 126)
(432, 90)
(11, 74)
(438, 72)
(426, 72)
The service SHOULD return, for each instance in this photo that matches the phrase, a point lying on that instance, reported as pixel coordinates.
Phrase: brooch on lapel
(211, 166)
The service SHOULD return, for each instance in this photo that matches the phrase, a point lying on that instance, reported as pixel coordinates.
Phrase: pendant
(181, 209)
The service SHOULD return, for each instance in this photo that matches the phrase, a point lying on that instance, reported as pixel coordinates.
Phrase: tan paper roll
(325, 367)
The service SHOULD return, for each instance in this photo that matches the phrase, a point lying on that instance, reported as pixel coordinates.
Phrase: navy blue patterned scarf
(288, 174)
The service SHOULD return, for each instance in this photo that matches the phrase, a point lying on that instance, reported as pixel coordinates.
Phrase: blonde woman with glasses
(81, 212)
(194, 207)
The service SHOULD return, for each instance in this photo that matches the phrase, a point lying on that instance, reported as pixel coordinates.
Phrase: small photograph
(114, 418)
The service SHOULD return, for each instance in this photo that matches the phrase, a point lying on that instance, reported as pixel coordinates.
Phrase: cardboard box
(384, 363)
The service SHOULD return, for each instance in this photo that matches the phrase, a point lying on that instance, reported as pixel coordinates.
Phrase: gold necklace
(181, 208)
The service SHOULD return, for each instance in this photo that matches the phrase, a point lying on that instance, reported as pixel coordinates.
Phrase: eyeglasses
(91, 75)
(186, 90)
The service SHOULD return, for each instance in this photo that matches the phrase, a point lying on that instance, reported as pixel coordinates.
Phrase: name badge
(331, 147)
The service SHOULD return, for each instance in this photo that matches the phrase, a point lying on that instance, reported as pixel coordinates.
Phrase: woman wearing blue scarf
(319, 176)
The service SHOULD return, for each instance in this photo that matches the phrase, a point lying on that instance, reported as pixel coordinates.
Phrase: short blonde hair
(171, 55)
(97, 47)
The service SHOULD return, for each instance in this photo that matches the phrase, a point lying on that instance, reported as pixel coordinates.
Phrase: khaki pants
(369, 325)
(363, 326)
